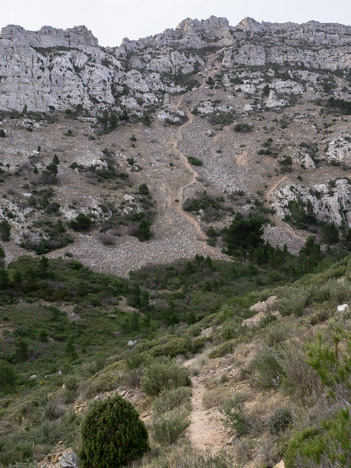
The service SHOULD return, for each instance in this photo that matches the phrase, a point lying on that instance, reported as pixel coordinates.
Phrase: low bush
(7, 378)
(168, 427)
(294, 302)
(328, 446)
(184, 456)
(170, 399)
(279, 420)
(267, 369)
(164, 374)
(222, 350)
(299, 377)
(172, 347)
(242, 128)
(235, 417)
(215, 397)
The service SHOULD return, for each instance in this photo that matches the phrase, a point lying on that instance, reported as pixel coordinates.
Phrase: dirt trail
(206, 431)
(194, 175)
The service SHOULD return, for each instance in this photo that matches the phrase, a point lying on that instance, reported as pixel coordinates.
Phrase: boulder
(69, 460)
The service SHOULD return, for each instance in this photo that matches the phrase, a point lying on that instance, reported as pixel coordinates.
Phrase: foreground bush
(329, 446)
(112, 435)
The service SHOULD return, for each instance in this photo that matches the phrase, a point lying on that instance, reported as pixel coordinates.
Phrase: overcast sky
(112, 20)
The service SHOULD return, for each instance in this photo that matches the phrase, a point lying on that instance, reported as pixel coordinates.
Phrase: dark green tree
(5, 230)
(310, 255)
(21, 352)
(143, 189)
(112, 435)
(243, 234)
(330, 233)
(82, 222)
(143, 232)
(7, 378)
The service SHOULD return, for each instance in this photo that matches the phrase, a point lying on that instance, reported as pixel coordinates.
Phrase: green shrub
(243, 128)
(222, 350)
(5, 230)
(172, 347)
(14, 450)
(143, 232)
(7, 378)
(199, 343)
(296, 443)
(294, 302)
(71, 384)
(170, 399)
(168, 427)
(330, 233)
(143, 189)
(112, 435)
(329, 446)
(280, 420)
(235, 417)
(163, 373)
(268, 371)
(195, 161)
(82, 222)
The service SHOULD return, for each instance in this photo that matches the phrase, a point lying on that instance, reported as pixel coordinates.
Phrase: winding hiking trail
(175, 141)
(206, 431)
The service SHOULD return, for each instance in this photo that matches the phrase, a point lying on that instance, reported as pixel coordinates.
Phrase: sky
(112, 20)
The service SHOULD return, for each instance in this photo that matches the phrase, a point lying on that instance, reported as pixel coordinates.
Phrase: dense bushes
(322, 447)
(242, 128)
(112, 435)
(5, 230)
(81, 223)
(163, 373)
(340, 104)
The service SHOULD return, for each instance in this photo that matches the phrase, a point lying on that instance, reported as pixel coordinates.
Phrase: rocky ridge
(53, 69)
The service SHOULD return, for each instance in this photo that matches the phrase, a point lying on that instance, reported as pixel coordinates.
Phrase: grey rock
(69, 460)
(55, 69)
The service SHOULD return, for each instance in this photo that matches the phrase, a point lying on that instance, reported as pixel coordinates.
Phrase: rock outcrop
(54, 69)
(329, 204)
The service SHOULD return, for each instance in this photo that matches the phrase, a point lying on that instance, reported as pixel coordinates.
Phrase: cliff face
(52, 69)
(214, 119)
